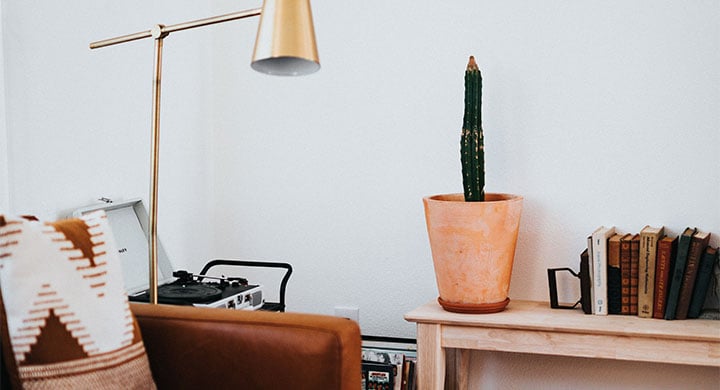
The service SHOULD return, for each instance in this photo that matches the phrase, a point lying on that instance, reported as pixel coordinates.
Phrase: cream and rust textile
(66, 323)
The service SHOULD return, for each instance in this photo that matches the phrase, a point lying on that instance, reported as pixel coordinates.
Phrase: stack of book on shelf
(388, 363)
(650, 274)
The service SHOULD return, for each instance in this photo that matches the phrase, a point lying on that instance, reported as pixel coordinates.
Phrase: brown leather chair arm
(191, 347)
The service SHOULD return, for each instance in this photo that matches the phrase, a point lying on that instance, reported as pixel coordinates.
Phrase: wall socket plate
(351, 312)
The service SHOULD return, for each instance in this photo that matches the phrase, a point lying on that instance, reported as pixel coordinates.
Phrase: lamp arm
(177, 27)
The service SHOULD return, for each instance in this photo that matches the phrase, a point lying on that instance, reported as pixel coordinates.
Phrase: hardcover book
(590, 272)
(649, 237)
(378, 375)
(410, 376)
(387, 356)
(634, 263)
(625, 274)
(397, 352)
(600, 256)
(667, 248)
(702, 283)
(678, 272)
(585, 282)
(697, 247)
(614, 282)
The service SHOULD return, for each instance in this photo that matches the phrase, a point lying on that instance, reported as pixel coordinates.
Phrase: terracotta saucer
(470, 308)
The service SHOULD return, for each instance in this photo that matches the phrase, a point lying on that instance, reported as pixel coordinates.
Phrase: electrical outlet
(351, 312)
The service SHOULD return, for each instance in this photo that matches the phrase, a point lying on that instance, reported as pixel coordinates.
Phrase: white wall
(4, 190)
(79, 120)
(596, 112)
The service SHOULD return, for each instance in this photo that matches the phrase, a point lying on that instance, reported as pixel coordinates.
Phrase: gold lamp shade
(285, 43)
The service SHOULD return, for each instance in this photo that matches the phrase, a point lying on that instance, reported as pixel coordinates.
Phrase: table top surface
(538, 316)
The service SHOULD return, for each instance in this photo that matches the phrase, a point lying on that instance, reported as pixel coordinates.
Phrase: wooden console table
(532, 327)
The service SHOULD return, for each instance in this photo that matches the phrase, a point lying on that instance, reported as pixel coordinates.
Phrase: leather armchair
(191, 347)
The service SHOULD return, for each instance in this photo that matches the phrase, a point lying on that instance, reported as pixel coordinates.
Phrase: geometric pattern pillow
(65, 319)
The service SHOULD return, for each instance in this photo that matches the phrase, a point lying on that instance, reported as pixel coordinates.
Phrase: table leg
(462, 362)
(456, 377)
(431, 357)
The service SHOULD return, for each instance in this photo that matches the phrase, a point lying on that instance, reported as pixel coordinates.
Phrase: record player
(128, 220)
(223, 292)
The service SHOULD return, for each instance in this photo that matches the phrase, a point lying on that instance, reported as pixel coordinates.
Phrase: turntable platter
(194, 293)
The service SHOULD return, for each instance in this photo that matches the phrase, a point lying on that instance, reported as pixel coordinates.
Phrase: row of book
(650, 274)
(388, 364)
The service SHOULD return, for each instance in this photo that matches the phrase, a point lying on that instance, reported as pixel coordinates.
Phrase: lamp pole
(159, 37)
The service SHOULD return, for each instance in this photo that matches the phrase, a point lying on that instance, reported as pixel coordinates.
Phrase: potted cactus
(473, 235)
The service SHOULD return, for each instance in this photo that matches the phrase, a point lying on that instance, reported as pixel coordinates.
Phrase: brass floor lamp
(285, 45)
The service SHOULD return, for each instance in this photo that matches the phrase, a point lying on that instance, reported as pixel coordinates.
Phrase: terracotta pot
(473, 248)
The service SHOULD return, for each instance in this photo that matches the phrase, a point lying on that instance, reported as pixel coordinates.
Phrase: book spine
(585, 282)
(702, 283)
(646, 281)
(614, 281)
(625, 275)
(591, 274)
(695, 253)
(378, 375)
(614, 293)
(600, 241)
(599, 276)
(665, 260)
(678, 273)
(634, 272)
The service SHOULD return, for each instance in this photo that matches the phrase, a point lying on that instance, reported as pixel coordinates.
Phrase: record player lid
(128, 221)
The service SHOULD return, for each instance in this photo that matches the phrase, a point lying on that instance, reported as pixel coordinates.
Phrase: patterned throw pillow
(65, 319)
